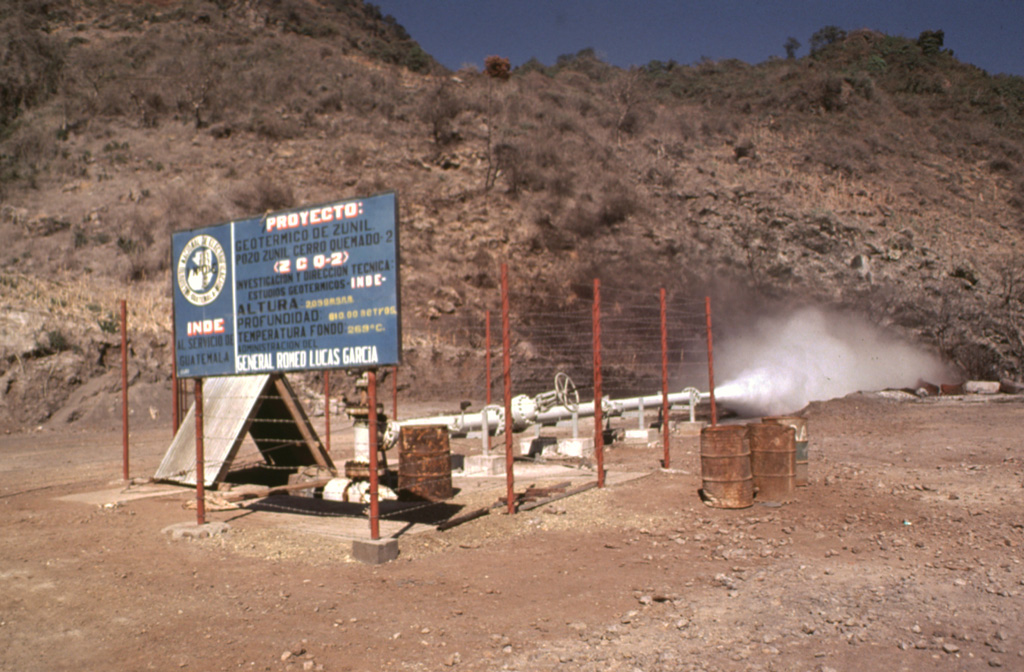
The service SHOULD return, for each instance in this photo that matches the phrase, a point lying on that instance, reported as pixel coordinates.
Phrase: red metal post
(327, 410)
(487, 370)
(182, 401)
(174, 387)
(200, 457)
(664, 378)
(394, 393)
(507, 373)
(374, 501)
(711, 363)
(598, 396)
(124, 387)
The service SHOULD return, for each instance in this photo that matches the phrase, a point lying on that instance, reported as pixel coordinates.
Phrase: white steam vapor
(812, 355)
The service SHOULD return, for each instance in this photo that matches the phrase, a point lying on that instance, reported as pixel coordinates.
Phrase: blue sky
(985, 33)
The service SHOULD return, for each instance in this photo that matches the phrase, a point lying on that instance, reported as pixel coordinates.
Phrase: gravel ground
(904, 553)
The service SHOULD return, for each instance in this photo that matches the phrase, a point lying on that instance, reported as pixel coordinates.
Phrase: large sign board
(312, 288)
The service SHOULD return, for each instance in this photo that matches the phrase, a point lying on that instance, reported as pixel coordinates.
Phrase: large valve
(566, 392)
(540, 403)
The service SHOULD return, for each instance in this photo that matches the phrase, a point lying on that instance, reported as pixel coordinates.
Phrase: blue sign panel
(311, 288)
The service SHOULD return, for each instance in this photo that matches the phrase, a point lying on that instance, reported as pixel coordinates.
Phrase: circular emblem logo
(202, 270)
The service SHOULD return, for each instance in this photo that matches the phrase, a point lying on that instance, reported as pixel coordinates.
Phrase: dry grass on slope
(81, 303)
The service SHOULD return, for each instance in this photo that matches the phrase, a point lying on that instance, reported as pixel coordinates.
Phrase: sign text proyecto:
(314, 216)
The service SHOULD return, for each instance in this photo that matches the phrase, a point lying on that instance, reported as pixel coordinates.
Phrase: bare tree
(628, 95)
(497, 70)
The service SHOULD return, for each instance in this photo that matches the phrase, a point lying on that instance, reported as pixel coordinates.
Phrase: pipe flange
(524, 412)
(495, 418)
(694, 396)
(390, 437)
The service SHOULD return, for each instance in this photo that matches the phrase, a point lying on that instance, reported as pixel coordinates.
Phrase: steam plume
(812, 355)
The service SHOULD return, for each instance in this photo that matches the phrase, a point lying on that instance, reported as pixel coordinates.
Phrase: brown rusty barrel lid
(795, 421)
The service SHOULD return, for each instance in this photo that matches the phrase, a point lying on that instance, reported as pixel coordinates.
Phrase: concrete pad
(347, 521)
(640, 435)
(551, 450)
(688, 428)
(541, 445)
(580, 447)
(484, 465)
(458, 462)
(115, 496)
(180, 531)
(375, 551)
(339, 520)
(981, 387)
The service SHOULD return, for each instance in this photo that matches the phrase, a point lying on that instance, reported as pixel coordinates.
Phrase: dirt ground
(904, 553)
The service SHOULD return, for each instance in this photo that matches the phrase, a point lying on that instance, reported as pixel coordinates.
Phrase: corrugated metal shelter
(264, 407)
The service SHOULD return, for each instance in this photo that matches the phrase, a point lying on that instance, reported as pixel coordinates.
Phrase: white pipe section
(526, 412)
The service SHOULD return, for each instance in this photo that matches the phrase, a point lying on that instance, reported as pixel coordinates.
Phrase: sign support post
(598, 394)
(664, 379)
(200, 457)
(506, 367)
(327, 411)
(374, 478)
(124, 387)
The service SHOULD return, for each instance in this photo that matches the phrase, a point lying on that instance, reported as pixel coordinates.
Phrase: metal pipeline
(547, 408)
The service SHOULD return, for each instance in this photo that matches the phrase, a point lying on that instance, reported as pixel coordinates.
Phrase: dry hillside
(877, 175)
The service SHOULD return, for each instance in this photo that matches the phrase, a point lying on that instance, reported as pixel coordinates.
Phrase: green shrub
(56, 341)
(109, 324)
(876, 63)
(416, 59)
(586, 62)
(826, 36)
(265, 194)
(617, 205)
(274, 127)
(33, 61)
(931, 41)
(439, 113)
(532, 65)
(127, 245)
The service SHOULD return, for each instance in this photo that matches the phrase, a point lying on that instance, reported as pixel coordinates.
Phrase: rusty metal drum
(799, 426)
(424, 463)
(773, 461)
(725, 467)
